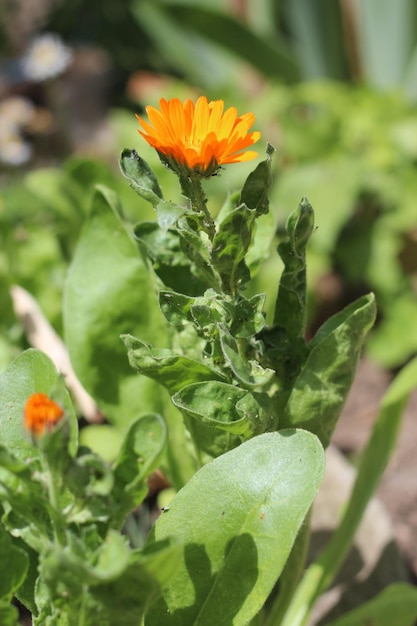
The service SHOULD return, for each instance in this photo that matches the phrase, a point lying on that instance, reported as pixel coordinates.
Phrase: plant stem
(193, 190)
(56, 517)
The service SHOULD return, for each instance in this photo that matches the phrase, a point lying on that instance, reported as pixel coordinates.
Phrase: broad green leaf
(14, 564)
(173, 371)
(109, 292)
(320, 390)
(140, 176)
(230, 246)
(396, 605)
(257, 185)
(31, 372)
(291, 301)
(238, 518)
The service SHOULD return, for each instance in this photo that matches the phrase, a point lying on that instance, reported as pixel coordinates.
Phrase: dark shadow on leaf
(218, 596)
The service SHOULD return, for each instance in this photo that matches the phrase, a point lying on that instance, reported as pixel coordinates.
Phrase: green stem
(193, 190)
(58, 523)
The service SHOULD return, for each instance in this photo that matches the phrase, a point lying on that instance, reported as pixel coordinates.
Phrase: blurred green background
(333, 85)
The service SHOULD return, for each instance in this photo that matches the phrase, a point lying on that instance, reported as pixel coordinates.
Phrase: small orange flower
(198, 138)
(41, 413)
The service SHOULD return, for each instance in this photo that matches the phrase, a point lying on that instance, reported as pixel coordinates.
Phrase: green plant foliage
(290, 304)
(235, 522)
(31, 372)
(333, 357)
(64, 509)
(140, 176)
(230, 246)
(348, 150)
(108, 276)
(374, 459)
(395, 606)
(179, 18)
(171, 370)
(14, 562)
(226, 393)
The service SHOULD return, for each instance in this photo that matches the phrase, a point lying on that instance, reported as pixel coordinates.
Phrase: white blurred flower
(46, 58)
(13, 149)
(16, 111)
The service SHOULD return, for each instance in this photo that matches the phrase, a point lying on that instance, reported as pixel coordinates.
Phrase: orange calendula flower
(41, 413)
(198, 138)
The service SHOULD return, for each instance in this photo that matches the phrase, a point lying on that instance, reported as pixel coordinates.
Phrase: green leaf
(109, 292)
(249, 374)
(9, 615)
(396, 605)
(140, 176)
(205, 311)
(173, 371)
(317, 34)
(238, 518)
(141, 450)
(321, 388)
(114, 571)
(177, 46)
(26, 592)
(222, 28)
(379, 21)
(165, 250)
(175, 307)
(103, 439)
(291, 300)
(257, 185)
(168, 213)
(214, 404)
(212, 416)
(139, 585)
(230, 246)
(249, 317)
(374, 459)
(31, 372)
(14, 563)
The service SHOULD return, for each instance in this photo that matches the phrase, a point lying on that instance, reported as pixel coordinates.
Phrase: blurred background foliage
(333, 85)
